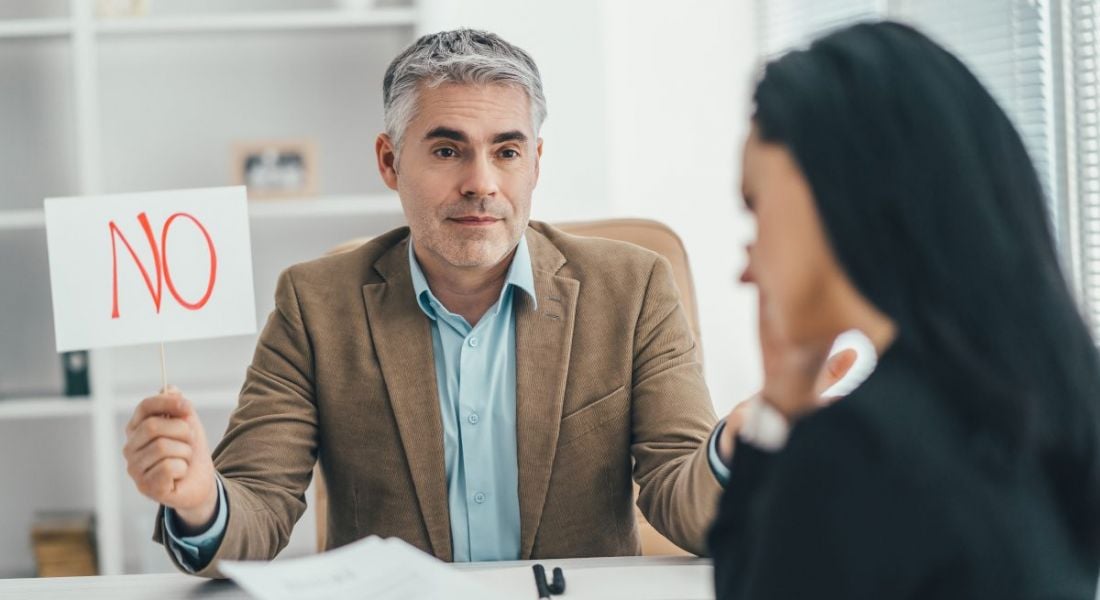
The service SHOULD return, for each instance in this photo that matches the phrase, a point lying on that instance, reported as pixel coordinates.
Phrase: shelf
(284, 208)
(44, 407)
(325, 206)
(22, 219)
(32, 28)
(274, 21)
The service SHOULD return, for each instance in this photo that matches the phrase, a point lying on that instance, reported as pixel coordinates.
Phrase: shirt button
(473, 342)
(479, 498)
(473, 418)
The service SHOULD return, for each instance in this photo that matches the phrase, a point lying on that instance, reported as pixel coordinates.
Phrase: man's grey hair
(464, 56)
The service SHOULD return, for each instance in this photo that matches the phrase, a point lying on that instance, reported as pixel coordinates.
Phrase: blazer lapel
(544, 337)
(402, 339)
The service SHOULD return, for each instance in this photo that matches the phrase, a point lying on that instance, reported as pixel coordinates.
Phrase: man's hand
(727, 439)
(168, 458)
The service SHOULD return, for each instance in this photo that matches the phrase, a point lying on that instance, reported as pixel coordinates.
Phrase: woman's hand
(795, 376)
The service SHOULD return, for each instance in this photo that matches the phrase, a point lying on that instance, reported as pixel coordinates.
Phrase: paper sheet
(371, 568)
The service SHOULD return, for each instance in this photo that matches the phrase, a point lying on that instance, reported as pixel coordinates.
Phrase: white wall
(678, 102)
(564, 37)
(649, 103)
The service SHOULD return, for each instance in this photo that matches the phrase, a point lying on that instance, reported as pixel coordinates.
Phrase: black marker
(545, 590)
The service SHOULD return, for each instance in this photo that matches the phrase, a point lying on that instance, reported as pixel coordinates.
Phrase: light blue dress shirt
(475, 369)
(194, 551)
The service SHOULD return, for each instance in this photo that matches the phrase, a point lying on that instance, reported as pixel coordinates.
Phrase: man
(476, 384)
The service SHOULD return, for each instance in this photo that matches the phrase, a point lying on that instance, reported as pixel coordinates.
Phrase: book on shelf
(64, 543)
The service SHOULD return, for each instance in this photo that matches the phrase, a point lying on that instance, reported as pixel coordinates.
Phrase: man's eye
(509, 153)
(446, 152)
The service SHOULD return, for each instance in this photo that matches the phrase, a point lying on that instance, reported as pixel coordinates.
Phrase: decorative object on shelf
(275, 169)
(64, 544)
(75, 365)
(109, 9)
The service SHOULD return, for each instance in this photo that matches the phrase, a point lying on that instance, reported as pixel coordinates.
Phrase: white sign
(151, 267)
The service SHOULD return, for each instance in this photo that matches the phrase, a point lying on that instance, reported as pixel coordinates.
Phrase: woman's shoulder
(892, 421)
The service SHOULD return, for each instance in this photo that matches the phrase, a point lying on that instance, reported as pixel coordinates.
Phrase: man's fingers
(737, 416)
(173, 405)
(734, 421)
(160, 479)
(157, 427)
(158, 450)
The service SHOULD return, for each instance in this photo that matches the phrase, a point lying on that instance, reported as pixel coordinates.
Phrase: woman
(893, 196)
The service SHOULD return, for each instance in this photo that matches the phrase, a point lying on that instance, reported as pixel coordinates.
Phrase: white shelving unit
(155, 102)
(327, 19)
(29, 28)
(21, 219)
(45, 407)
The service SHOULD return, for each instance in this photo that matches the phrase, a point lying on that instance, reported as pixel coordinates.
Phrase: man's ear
(538, 158)
(386, 154)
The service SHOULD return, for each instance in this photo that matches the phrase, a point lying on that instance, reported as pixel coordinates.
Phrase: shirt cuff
(194, 551)
(720, 470)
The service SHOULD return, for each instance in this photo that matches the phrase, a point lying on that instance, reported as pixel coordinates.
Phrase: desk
(635, 577)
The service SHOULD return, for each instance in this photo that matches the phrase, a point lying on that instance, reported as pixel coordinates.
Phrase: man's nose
(480, 179)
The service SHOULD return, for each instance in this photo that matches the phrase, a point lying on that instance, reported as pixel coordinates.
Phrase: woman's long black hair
(935, 212)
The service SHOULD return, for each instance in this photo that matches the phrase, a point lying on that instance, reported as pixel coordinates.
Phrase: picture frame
(275, 168)
(110, 9)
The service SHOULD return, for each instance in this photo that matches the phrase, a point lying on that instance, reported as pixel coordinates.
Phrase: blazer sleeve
(672, 418)
(266, 457)
(820, 519)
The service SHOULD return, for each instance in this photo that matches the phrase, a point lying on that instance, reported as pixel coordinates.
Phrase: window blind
(1082, 88)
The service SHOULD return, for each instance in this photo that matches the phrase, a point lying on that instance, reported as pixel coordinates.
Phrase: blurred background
(649, 102)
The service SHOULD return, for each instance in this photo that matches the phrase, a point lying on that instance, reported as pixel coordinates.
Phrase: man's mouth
(474, 221)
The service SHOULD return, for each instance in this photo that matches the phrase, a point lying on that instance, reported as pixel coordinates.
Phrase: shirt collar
(520, 275)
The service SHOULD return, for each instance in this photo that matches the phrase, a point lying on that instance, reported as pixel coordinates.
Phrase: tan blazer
(606, 372)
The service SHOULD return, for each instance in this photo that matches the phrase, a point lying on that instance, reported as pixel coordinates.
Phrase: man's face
(467, 166)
